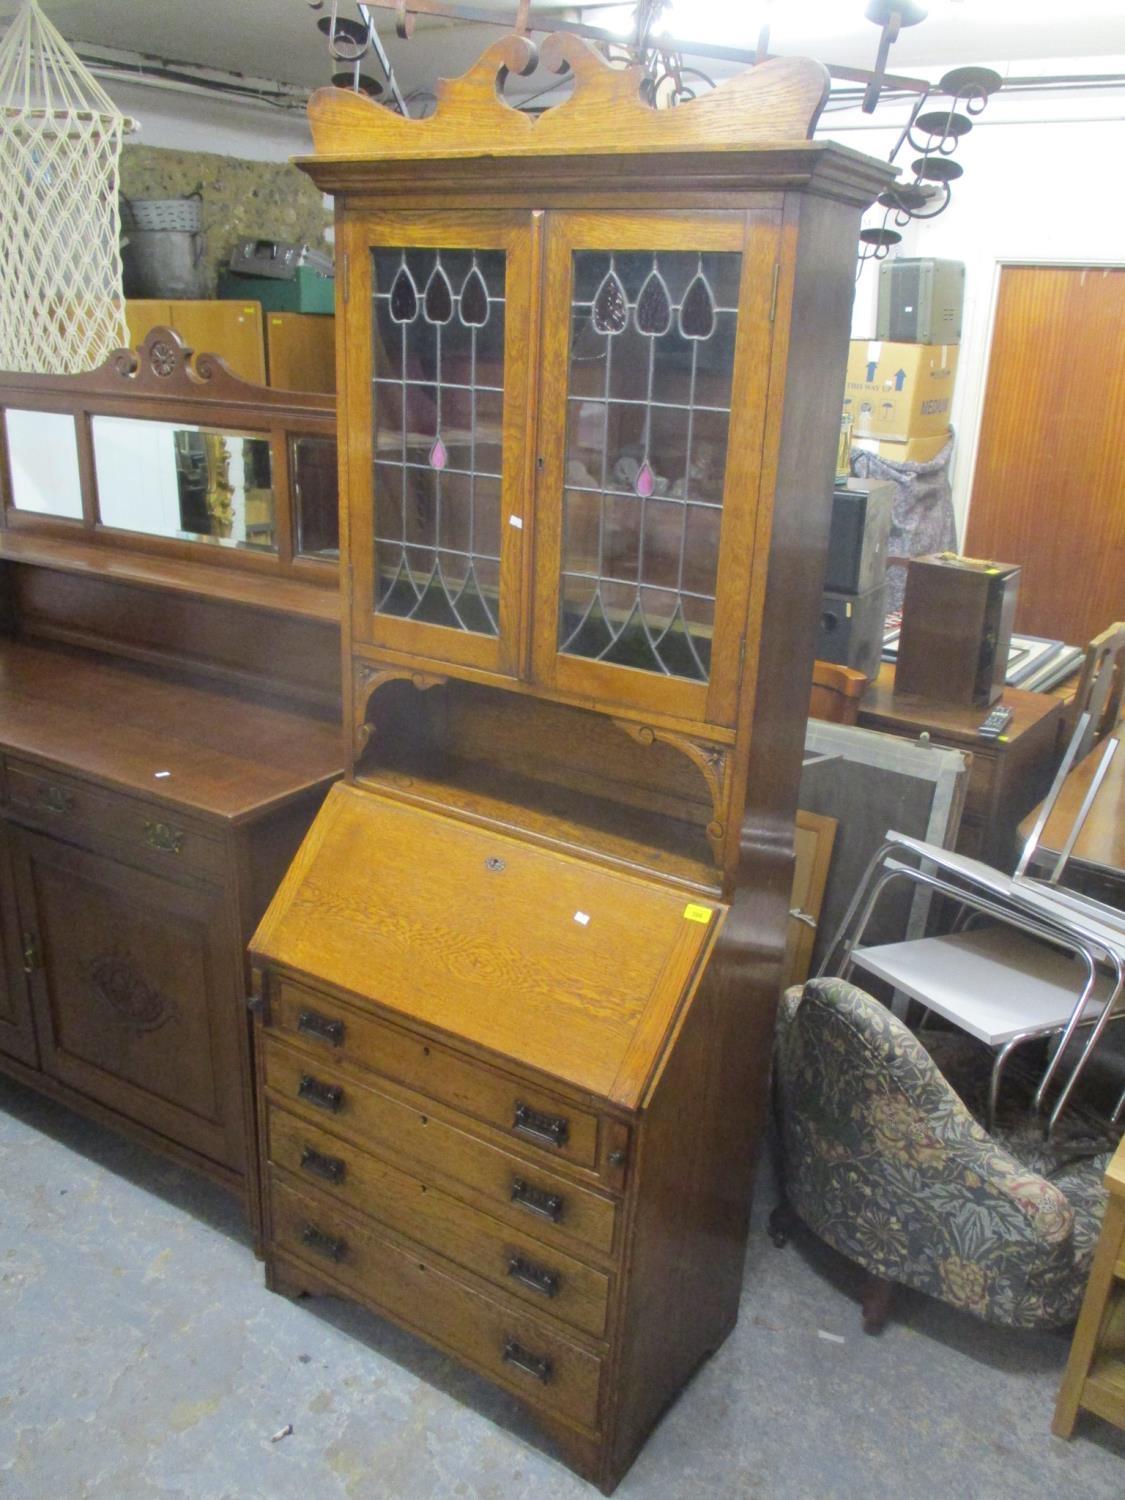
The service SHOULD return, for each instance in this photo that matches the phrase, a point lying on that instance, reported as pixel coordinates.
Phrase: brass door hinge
(773, 290)
(347, 270)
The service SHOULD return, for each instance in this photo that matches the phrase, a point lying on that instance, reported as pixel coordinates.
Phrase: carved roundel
(163, 358)
(116, 981)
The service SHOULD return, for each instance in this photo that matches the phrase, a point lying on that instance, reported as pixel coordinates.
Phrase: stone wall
(240, 199)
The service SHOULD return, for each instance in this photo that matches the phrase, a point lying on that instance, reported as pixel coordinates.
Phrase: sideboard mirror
(160, 451)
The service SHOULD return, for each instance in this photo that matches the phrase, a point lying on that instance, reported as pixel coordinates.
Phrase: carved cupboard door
(656, 345)
(434, 433)
(17, 1034)
(137, 992)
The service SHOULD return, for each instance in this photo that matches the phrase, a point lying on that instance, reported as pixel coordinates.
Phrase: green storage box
(307, 292)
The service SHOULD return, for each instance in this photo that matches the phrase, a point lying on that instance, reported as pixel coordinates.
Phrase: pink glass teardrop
(438, 456)
(644, 482)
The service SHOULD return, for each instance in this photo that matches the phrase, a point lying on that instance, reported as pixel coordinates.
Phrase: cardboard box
(913, 451)
(899, 391)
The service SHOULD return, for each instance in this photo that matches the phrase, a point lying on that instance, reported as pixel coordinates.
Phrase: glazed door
(136, 993)
(436, 416)
(657, 338)
(17, 1035)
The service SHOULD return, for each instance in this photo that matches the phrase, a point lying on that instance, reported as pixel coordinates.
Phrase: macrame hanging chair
(61, 304)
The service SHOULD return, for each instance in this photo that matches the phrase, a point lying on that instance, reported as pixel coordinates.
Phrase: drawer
(519, 1192)
(532, 1116)
(76, 811)
(525, 1355)
(546, 1279)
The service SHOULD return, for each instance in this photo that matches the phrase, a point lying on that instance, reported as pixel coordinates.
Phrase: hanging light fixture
(933, 133)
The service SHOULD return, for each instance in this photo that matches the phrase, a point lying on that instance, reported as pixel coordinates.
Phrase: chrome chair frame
(1027, 906)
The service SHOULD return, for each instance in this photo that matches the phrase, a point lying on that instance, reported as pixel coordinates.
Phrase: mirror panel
(312, 465)
(43, 463)
(199, 484)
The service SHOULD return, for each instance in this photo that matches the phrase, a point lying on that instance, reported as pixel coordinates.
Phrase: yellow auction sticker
(693, 913)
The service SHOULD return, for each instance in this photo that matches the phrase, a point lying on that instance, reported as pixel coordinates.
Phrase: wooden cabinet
(144, 823)
(1008, 776)
(301, 351)
(517, 990)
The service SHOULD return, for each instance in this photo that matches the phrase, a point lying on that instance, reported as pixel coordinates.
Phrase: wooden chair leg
(876, 1302)
(783, 1221)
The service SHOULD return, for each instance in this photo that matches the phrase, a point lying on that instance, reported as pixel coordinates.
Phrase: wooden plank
(1050, 470)
(778, 101)
(230, 759)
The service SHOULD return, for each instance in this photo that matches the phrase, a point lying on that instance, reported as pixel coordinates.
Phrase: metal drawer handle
(55, 800)
(525, 1271)
(537, 1365)
(544, 1130)
(164, 837)
(329, 1096)
(536, 1201)
(322, 1027)
(330, 1168)
(323, 1244)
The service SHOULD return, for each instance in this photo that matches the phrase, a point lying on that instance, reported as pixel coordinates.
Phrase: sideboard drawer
(77, 811)
(532, 1116)
(523, 1353)
(548, 1280)
(518, 1191)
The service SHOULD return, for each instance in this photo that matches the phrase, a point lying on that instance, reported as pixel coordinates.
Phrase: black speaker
(851, 629)
(857, 541)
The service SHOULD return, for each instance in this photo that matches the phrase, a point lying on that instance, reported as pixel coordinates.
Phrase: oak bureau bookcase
(516, 993)
(169, 713)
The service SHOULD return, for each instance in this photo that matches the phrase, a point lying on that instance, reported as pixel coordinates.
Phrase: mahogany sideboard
(168, 730)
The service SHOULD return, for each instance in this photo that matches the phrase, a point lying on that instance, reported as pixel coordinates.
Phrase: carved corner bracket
(367, 681)
(712, 761)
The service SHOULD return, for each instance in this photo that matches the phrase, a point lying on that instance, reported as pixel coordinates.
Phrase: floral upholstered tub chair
(884, 1161)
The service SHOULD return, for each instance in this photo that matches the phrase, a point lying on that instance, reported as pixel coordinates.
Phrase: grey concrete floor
(141, 1356)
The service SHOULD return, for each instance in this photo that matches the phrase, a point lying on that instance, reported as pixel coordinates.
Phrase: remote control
(995, 724)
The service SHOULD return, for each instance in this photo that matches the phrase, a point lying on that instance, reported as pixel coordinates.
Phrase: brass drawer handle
(321, 1027)
(323, 1244)
(536, 1365)
(164, 837)
(330, 1168)
(544, 1130)
(536, 1201)
(529, 1274)
(329, 1096)
(55, 800)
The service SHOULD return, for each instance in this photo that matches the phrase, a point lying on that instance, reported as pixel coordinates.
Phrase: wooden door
(433, 431)
(1049, 487)
(17, 1034)
(656, 343)
(137, 983)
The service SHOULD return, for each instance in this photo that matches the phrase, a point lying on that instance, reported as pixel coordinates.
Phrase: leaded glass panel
(438, 366)
(648, 411)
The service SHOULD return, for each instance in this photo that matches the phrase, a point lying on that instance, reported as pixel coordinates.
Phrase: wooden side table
(1008, 776)
(1095, 1371)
